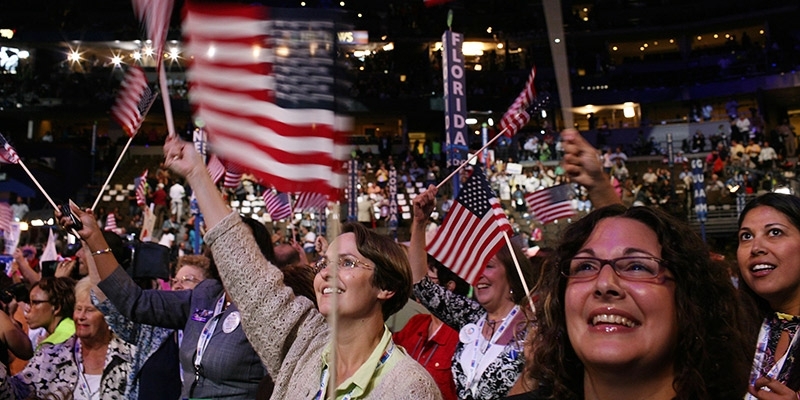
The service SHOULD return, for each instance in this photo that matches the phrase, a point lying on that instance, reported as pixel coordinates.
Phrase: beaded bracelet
(104, 251)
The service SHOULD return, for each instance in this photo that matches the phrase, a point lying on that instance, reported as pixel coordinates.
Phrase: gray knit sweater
(288, 332)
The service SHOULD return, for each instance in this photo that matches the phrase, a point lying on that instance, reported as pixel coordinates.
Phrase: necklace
(85, 386)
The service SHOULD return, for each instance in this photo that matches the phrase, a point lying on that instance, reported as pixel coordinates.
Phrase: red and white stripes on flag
(307, 200)
(141, 189)
(277, 204)
(6, 217)
(550, 204)
(134, 100)
(233, 176)
(111, 223)
(215, 168)
(472, 231)
(259, 104)
(155, 15)
(517, 115)
(7, 153)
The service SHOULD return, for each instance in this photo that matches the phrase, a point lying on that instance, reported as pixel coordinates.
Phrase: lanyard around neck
(324, 380)
(205, 335)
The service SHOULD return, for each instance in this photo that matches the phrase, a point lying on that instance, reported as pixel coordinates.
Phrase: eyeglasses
(183, 279)
(33, 302)
(345, 262)
(628, 268)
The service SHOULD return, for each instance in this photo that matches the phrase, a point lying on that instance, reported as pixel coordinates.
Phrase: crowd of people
(255, 315)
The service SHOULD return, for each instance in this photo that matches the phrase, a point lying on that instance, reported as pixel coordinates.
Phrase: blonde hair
(84, 287)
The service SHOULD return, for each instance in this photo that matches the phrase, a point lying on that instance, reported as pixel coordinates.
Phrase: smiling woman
(769, 236)
(488, 357)
(658, 323)
(292, 338)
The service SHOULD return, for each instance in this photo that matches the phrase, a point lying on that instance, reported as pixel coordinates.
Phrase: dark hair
(60, 293)
(445, 275)
(713, 352)
(392, 269)
(300, 277)
(286, 254)
(504, 256)
(789, 206)
(263, 237)
(121, 252)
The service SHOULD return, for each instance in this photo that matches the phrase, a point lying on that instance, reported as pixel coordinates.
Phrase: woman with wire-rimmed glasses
(633, 309)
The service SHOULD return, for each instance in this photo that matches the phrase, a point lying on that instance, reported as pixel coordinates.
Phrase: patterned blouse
(458, 311)
(765, 363)
(53, 373)
(147, 338)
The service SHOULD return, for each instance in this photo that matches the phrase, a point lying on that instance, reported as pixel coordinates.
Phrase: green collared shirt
(370, 373)
(64, 331)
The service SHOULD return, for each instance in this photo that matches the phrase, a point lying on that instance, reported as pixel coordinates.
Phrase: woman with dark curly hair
(661, 322)
(769, 236)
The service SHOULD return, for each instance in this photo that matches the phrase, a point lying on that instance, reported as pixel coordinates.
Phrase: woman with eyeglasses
(91, 364)
(190, 270)
(155, 367)
(215, 356)
(293, 337)
(769, 236)
(634, 309)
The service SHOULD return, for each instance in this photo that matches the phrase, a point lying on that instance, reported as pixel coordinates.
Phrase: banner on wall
(455, 102)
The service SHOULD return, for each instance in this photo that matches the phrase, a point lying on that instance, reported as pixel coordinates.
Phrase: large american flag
(518, 115)
(134, 100)
(550, 204)
(261, 80)
(7, 153)
(155, 15)
(472, 232)
(277, 204)
(141, 189)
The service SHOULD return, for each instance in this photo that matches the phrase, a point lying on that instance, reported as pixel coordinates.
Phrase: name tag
(202, 315)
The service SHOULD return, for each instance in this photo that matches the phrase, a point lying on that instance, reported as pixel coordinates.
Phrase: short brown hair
(392, 269)
(195, 260)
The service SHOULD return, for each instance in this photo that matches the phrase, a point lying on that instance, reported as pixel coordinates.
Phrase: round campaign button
(468, 333)
(231, 322)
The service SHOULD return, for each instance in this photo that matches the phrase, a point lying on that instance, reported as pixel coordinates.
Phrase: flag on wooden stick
(472, 231)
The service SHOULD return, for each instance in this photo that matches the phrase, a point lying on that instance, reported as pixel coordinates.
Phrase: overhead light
(471, 121)
(472, 48)
(627, 110)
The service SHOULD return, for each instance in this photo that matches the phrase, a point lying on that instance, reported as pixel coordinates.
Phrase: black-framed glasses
(33, 302)
(345, 262)
(632, 268)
